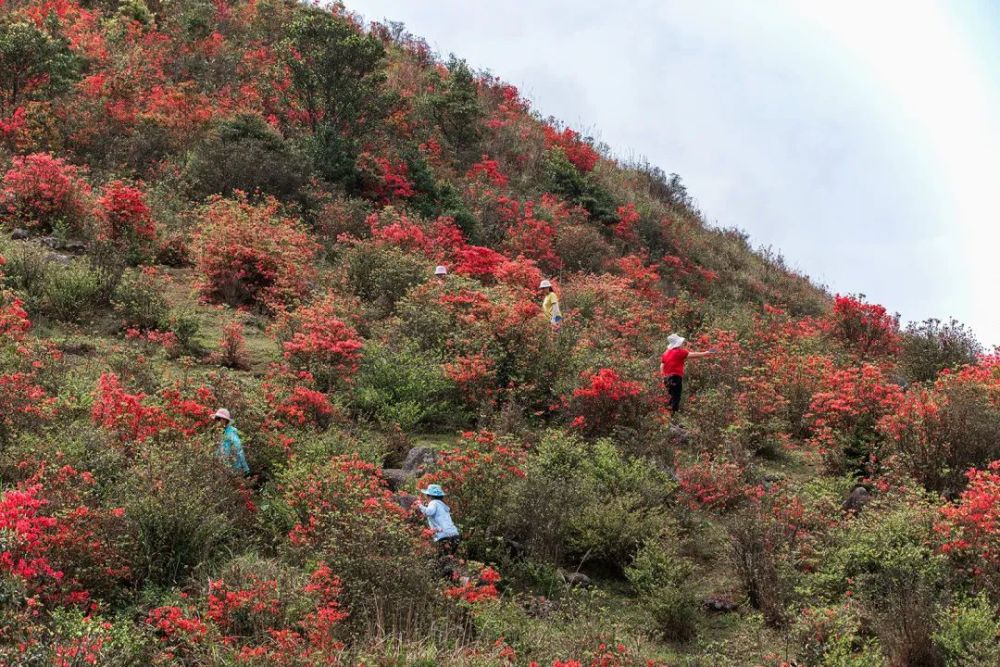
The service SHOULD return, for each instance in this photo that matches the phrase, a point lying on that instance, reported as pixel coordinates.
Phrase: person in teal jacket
(230, 447)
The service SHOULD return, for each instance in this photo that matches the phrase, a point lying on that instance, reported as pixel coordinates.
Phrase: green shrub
(187, 509)
(662, 580)
(26, 270)
(931, 346)
(586, 501)
(401, 385)
(245, 153)
(72, 292)
(381, 276)
(140, 303)
(967, 633)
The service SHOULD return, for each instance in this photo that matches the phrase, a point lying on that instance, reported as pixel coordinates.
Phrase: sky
(860, 139)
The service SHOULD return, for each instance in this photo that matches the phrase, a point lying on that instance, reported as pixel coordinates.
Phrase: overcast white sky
(859, 138)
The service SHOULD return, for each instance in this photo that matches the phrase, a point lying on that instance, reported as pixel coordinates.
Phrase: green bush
(187, 509)
(584, 500)
(380, 276)
(245, 153)
(931, 346)
(967, 633)
(72, 292)
(140, 303)
(401, 385)
(662, 580)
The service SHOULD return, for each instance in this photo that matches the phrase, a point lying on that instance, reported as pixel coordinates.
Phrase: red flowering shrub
(970, 526)
(383, 179)
(488, 170)
(14, 321)
(125, 221)
(181, 631)
(607, 402)
(249, 255)
(478, 588)
(577, 151)
(628, 219)
(346, 515)
(232, 351)
(476, 479)
(843, 416)
(42, 192)
(711, 483)
(867, 328)
(315, 340)
(934, 434)
(125, 415)
(24, 404)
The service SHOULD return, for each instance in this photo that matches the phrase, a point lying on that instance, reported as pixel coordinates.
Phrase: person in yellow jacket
(550, 305)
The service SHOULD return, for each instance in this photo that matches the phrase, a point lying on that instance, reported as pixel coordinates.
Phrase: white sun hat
(441, 271)
(545, 283)
(674, 341)
(222, 413)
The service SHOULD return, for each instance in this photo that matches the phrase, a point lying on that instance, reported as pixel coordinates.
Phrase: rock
(719, 605)
(516, 549)
(857, 500)
(20, 234)
(396, 478)
(678, 435)
(58, 258)
(419, 457)
(50, 241)
(404, 500)
(73, 246)
(575, 579)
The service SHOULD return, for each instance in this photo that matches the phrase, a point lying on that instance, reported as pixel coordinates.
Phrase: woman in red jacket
(672, 367)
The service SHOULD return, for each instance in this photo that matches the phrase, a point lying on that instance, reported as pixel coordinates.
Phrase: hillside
(242, 204)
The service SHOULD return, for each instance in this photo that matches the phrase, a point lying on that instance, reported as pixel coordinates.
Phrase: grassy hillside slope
(241, 204)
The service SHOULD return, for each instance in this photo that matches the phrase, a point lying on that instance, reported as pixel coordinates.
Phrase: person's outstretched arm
(698, 355)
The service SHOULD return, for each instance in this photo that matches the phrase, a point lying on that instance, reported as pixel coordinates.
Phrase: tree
(338, 72)
(28, 54)
(457, 111)
(931, 346)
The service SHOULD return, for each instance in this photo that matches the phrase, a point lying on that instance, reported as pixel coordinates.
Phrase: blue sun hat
(433, 490)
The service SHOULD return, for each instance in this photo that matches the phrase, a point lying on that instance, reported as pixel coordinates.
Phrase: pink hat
(222, 413)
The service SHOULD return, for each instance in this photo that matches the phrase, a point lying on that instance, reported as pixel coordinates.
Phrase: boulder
(58, 258)
(678, 435)
(419, 457)
(404, 500)
(396, 478)
(575, 579)
(20, 234)
(719, 605)
(857, 500)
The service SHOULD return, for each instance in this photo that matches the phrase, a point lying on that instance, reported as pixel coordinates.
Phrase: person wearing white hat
(551, 303)
(441, 272)
(439, 519)
(230, 447)
(672, 367)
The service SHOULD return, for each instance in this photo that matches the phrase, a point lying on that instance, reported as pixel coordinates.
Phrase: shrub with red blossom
(843, 416)
(628, 220)
(970, 526)
(232, 352)
(346, 515)
(125, 221)
(124, 414)
(578, 152)
(41, 192)
(315, 340)
(488, 170)
(711, 483)
(14, 321)
(605, 402)
(476, 479)
(24, 404)
(867, 328)
(383, 179)
(480, 587)
(250, 255)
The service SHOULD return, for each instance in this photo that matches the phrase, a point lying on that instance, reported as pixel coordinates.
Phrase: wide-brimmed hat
(674, 341)
(544, 284)
(222, 413)
(433, 490)
(441, 271)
